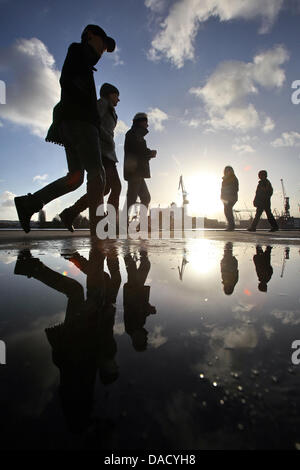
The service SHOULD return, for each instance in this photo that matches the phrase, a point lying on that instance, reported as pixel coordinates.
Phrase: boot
(26, 206)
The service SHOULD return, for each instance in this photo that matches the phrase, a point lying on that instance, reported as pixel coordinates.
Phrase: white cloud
(35, 88)
(244, 148)
(287, 139)
(226, 90)
(156, 117)
(156, 338)
(194, 123)
(269, 125)
(40, 177)
(116, 57)
(155, 5)
(7, 199)
(175, 41)
(121, 128)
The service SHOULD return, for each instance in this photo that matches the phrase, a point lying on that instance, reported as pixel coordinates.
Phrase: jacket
(78, 92)
(136, 154)
(230, 188)
(108, 122)
(263, 193)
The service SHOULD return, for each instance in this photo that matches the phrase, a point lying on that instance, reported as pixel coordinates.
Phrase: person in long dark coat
(229, 195)
(262, 202)
(75, 126)
(136, 161)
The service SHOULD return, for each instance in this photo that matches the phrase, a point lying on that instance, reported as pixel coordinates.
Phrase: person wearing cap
(75, 126)
(262, 202)
(136, 161)
(109, 98)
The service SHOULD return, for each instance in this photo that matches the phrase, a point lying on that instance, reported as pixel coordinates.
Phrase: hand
(153, 153)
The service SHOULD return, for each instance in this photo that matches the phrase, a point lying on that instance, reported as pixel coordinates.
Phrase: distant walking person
(229, 269)
(136, 161)
(262, 202)
(229, 195)
(75, 125)
(109, 98)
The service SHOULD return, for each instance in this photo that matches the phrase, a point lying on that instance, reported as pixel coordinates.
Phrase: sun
(203, 193)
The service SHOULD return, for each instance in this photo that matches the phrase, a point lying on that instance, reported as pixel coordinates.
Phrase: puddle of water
(169, 345)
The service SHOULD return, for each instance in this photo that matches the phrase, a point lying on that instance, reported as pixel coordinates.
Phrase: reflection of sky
(213, 351)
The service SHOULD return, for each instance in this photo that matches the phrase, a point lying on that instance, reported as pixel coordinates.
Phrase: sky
(214, 76)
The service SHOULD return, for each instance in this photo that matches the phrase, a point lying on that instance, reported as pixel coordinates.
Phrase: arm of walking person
(103, 109)
(138, 146)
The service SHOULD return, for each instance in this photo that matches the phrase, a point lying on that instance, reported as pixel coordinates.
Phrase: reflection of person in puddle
(83, 344)
(136, 300)
(229, 270)
(264, 270)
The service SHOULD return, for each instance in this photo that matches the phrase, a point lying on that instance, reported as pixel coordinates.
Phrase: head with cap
(262, 174)
(97, 39)
(141, 119)
(110, 92)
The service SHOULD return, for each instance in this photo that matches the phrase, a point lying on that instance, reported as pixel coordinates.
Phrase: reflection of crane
(183, 191)
(183, 263)
(286, 203)
(285, 257)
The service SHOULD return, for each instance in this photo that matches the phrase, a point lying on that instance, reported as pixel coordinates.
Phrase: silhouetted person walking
(264, 270)
(136, 161)
(262, 202)
(229, 195)
(229, 270)
(75, 125)
(109, 98)
(136, 300)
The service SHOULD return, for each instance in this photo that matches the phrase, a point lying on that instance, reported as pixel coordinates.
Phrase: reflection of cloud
(156, 339)
(6, 258)
(242, 337)
(287, 317)
(243, 308)
(268, 330)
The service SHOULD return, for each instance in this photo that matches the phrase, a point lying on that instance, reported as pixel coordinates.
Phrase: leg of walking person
(27, 205)
(259, 211)
(271, 218)
(86, 136)
(132, 191)
(113, 183)
(229, 215)
(144, 194)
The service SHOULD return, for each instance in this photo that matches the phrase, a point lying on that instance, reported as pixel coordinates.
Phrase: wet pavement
(162, 344)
